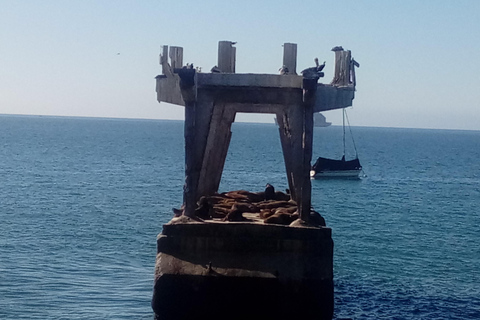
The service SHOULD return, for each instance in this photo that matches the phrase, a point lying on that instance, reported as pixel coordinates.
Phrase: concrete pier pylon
(220, 269)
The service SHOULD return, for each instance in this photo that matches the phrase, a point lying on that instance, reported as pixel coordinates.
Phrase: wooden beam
(285, 140)
(191, 172)
(176, 57)
(198, 116)
(342, 68)
(216, 149)
(309, 95)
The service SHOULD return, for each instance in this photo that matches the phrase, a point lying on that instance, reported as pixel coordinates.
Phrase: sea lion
(273, 204)
(317, 219)
(269, 192)
(257, 196)
(265, 213)
(280, 218)
(235, 215)
(289, 210)
(221, 209)
(279, 195)
(237, 196)
(203, 209)
(247, 207)
(178, 212)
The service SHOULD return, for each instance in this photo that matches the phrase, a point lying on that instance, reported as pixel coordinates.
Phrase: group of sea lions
(271, 206)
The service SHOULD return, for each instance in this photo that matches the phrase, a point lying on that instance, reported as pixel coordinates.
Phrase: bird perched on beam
(215, 69)
(314, 72)
(283, 70)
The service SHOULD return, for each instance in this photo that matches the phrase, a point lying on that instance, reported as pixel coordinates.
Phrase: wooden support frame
(212, 100)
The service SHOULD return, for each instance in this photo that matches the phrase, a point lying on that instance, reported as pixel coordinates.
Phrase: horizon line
(161, 119)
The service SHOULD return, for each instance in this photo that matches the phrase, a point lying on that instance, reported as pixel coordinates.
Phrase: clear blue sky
(418, 59)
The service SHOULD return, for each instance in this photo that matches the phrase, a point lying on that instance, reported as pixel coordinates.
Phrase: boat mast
(343, 132)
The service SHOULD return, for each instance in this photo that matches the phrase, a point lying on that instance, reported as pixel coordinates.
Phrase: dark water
(82, 200)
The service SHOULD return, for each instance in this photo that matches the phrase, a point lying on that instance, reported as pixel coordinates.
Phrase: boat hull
(330, 168)
(336, 174)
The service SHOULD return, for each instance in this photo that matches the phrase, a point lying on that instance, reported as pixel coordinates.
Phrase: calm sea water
(82, 200)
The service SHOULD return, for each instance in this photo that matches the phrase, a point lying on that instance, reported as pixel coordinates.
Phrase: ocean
(83, 199)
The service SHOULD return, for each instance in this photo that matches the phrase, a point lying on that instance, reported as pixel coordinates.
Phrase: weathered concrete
(246, 270)
(243, 271)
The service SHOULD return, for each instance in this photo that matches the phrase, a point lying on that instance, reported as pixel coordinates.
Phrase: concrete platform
(242, 270)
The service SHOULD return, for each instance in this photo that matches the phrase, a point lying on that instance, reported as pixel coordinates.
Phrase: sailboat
(332, 168)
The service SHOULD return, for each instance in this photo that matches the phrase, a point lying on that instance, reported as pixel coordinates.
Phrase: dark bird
(203, 209)
(337, 48)
(320, 67)
(269, 192)
(215, 69)
(283, 70)
(314, 72)
(177, 212)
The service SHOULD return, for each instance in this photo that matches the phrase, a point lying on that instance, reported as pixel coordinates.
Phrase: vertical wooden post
(353, 64)
(233, 58)
(286, 142)
(189, 189)
(216, 149)
(164, 57)
(342, 68)
(176, 57)
(226, 56)
(309, 92)
(290, 57)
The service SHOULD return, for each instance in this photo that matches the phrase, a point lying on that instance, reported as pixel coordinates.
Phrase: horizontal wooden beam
(249, 80)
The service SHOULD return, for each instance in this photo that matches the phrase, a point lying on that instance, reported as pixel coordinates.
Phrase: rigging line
(351, 134)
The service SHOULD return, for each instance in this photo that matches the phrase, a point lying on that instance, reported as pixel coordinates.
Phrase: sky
(418, 59)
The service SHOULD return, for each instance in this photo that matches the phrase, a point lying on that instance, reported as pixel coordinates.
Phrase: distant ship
(319, 120)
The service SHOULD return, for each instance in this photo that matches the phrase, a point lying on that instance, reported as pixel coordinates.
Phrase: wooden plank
(198, 117)
(168, 89)
(307, 146)
(216, 149)
(164, 58)
(249, 80)
(295, 120)
(191, 174)
(330, 97)
(233, 58)
(342, 68)
(176, 57)
(290, 57)
(285, 140)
